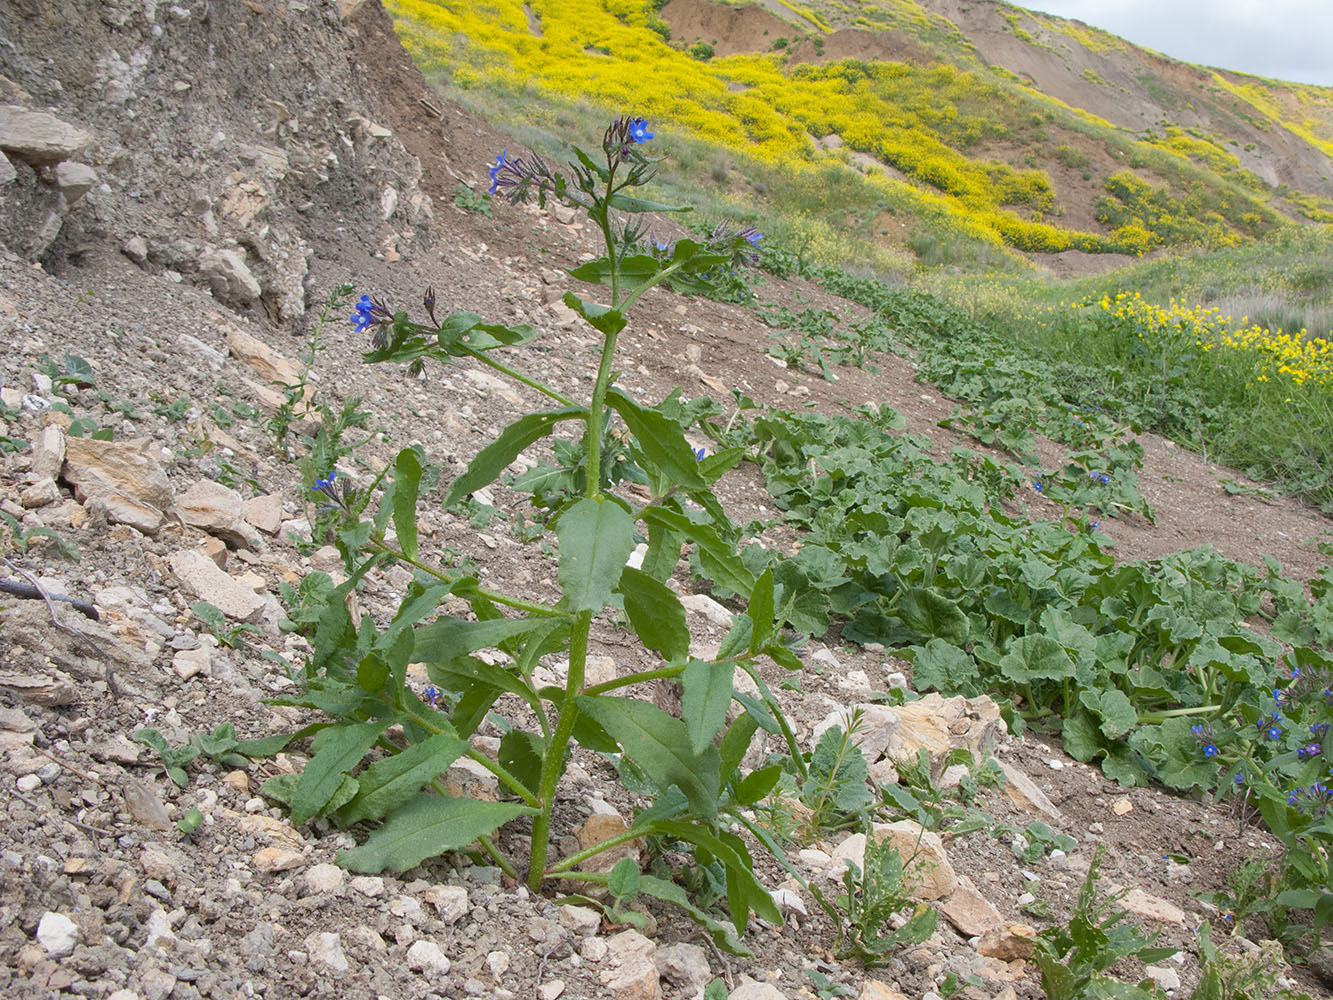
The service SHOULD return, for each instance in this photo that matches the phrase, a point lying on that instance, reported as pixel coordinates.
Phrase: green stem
(1153, 718)
(498, 858)
(518, 376)
(647, 675)
(590, 852)
(595, 415)
(495, 597)
(554, 761)
(516, 786)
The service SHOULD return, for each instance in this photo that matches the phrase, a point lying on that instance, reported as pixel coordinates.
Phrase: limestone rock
(229, 276)
(7, 171)
(927, 873)
(426, 956)
(601, 827)
(1025, 794)
(971, 912)
(684, 966)
(1143, 904)
(144, 805)
(57, 934)
(48, 453)
(122, 476)
(267, 363)
(42, 493)
(326, 949)
(1008, 943)
(450, 902)
(200, 576)
(216, 509)
(324, 879)
(277, 859)
(633, 975)
(263, 512)
(38, 138)
(873, 989)
(756, 991)
(74, 180)
(582, 920)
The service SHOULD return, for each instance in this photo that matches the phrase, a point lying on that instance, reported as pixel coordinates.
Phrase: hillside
(980, 123)
(963, 536)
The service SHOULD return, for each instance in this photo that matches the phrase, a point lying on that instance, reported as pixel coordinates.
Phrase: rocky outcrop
(177, 137)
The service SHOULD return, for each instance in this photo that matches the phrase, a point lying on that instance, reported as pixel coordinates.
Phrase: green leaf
(406, 482)
(521, 754)
(933, 615)
(662, 440)
(372, 672)
(656, 614)
(661, 746)
(1036, 657)
(744, 893)
(761, 611)
(601, 318)
(669, 892)
(717, 555)
(628, 203)
(428, 825)
(1117, 712)
(943, 666)
(624, 881)
(758, 784)
(486, 467)
(449, 638)
(706, 699)
(338, 749)
(633, 270)
(736, 743)
(596, 537)
(387, 784)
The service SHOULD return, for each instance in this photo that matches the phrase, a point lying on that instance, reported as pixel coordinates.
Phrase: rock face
(91, 80)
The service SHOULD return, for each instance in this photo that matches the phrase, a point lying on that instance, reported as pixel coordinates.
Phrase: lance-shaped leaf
(633, 270)
(449, 638)
(705, 701)
(661, 747)
(338, 749)
(387, 784)
(406, 482)
(596, 537)
(599, 317)
(628, 203)
(656, 614)
(486, 467)
(662, 440)
(718, 555)
(426, 826)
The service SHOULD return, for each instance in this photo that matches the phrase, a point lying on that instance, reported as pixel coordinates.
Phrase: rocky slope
(185, 185)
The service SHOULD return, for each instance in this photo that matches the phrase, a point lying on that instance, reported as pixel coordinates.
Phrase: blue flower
(432, 696)
(1037, 485)
(364, 317)
(500, 164)
(324, 485)
(1309, 750)
(753, 236)
(699, 453)
(638, 130)
(1210, 750)
(1104, 478)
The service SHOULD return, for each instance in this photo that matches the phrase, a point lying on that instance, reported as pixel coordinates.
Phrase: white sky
(1284, 39)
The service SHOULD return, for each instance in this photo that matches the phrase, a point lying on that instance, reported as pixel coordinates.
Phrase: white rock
(326, 949)
(1164, 976)
(426, 956)
(756, 991)
(709, 608)
(550, 989)
(498, 963)
(74, 180)
(450, 901)
(229, 276)
(57, 934)
(580, 919)
(685, 966)
(29, 783)
(368, 885)
(159, 930)
(324, 879)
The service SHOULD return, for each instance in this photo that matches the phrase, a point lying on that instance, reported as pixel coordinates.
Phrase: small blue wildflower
(638, 130)
(364, 316)
(1210, 750)
(1105, 478)
(1096, 525)
(1197, 729)
(1309, 750)
(699, 453)
(1318, 729)
(1317, 798)
(753, 236)
(1037, 485)
(1239, 779)
(432, 696)
(500, 164)
(324, 485)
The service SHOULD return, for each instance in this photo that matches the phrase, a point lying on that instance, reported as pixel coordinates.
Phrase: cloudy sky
(1285, 39)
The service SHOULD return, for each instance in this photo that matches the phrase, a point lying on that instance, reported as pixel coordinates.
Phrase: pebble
(498, 963)
(29, 783)
(450, 902)
(426, 956)
(326, 949)
(277, 859)
(368, 885)
(550, 989)
(581, 920)
(324, 879)
(57, 934)
(593, 949)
